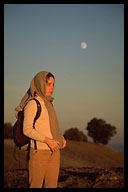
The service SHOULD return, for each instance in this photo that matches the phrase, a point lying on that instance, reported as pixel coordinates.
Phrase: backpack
(19, 138)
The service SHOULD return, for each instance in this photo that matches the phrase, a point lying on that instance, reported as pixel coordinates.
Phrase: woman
(44, 162)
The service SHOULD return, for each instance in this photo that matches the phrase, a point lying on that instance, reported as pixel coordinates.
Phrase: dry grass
(81, 154)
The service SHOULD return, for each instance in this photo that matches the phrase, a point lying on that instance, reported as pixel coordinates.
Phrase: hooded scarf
(38, 85)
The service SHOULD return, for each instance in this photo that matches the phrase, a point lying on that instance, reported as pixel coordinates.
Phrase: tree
(75, 134)
(8, 131)
(100, 131)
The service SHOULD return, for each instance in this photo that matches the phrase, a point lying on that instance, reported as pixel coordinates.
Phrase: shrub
(75, 134)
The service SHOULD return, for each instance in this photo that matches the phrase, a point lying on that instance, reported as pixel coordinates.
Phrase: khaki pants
(43, 168)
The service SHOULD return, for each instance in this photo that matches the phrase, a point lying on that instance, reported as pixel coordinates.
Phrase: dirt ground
(73, 178)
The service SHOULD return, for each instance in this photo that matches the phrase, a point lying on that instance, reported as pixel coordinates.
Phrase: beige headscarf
(38, 85)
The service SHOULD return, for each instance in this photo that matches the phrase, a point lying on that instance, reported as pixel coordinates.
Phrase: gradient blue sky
(89, 82)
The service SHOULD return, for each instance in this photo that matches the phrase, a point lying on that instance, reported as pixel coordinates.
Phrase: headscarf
(38, 85)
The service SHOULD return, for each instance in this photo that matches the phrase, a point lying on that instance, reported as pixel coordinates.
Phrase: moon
(83, 45)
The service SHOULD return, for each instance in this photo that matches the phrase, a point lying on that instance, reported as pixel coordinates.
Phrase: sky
(89, 82)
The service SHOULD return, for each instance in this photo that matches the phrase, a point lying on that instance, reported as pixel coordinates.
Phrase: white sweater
(42, 125)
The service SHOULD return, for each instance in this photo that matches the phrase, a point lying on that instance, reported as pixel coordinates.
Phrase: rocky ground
(84, 177)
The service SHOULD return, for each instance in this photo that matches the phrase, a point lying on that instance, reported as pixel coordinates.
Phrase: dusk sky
(89, 80)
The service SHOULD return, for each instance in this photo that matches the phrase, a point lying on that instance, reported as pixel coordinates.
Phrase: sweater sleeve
(29, 115)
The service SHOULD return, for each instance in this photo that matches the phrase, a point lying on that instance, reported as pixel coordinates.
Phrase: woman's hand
(53, 144)
(64, 142)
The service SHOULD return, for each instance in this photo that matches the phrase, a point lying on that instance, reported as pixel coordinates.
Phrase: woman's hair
(48, 76)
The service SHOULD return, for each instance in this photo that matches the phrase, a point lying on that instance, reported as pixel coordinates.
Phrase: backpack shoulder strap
(38, 112)
(36, 117)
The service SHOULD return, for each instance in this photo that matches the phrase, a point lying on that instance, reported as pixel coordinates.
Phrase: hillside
(83, 165)
(76, 154)
(82, 154)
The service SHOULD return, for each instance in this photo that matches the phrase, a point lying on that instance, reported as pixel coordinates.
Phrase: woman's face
(50, 86)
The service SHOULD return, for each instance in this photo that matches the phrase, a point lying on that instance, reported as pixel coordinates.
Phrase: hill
(76, 154)
(85, 154)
